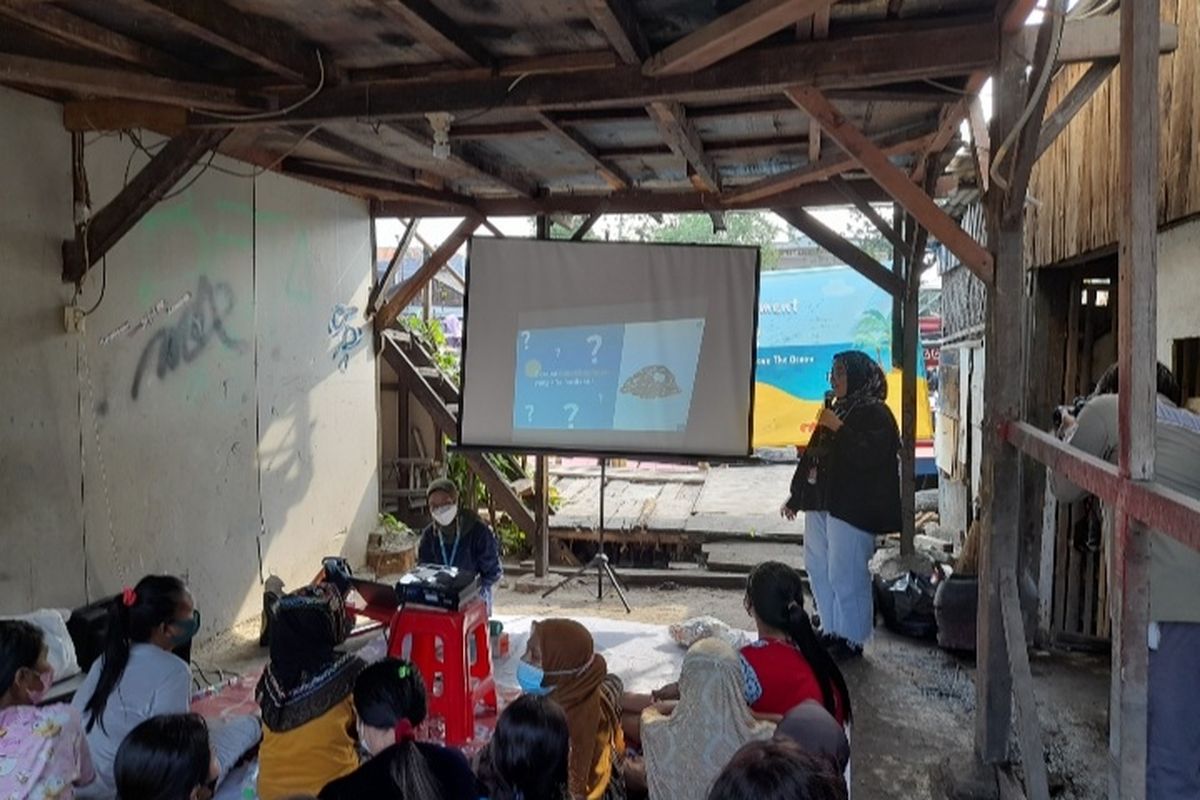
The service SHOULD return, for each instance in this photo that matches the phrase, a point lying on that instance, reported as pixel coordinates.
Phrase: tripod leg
(612, 576)
(576, 574)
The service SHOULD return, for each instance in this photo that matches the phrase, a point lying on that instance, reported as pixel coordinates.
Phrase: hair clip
(404, 671)
(128, 597)
(404, 731)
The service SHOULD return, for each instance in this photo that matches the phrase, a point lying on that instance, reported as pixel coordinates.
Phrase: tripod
(599, 562)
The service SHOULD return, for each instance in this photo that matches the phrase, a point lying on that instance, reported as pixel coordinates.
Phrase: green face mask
(186, 629)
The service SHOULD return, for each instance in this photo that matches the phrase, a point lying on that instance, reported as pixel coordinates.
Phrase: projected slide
(637, 376)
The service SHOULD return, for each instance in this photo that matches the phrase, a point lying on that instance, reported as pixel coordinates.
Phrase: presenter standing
(848, 486)
(457, 537)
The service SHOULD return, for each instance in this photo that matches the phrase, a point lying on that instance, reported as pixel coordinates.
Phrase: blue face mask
(530, 678)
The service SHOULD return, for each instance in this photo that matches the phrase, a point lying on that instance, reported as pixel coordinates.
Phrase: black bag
(906, 603)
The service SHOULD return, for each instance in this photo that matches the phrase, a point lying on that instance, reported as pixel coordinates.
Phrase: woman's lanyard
(449, 560)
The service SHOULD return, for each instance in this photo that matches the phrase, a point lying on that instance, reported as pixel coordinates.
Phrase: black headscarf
(865, 382)
(306, 676)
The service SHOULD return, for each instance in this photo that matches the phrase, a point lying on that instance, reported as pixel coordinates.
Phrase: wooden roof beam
(939, 224)
(732, 32)
(266, 43)
(864, 207)
(413, 286)
(80, 32)
(614, 176)
(1092, 39)
(117, 83)
(937, 52)
(837, 246)
(356, 151)
(430, 26)
(684, 140)
(396, 261)
(1076, 98)
(617, 22)
(468, 160)
(106, 227)
(345, 179)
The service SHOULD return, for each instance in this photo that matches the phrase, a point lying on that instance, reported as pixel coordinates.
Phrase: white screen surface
(606, 348)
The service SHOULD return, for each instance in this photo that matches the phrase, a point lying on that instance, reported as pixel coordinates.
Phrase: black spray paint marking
(182, 343)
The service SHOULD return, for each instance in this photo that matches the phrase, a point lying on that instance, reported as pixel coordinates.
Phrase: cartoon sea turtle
(653, 382)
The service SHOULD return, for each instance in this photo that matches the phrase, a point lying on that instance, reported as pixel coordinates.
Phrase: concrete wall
(217, 418)
(1178, 285)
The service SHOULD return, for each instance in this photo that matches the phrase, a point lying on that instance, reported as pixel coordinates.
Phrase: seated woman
(561, 662)
(43, 752)
(167, 758)
(684, 751)
(305, 694)
(389, 698)
(528, 756)
(774, 770)
(457, 537)
(787, 665)
(139, 677)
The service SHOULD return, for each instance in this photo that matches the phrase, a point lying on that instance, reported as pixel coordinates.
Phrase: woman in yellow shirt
(306, 696)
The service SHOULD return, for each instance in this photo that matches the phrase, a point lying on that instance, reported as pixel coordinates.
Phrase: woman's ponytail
(390, 695)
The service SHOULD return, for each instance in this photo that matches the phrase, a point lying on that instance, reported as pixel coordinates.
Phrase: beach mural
(805, 316)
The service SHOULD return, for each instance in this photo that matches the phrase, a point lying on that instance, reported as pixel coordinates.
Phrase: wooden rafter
(815, 27)
(981, 145)
(95, 38)
(430, 26)
(839, 247)
(106, 227)
(464, 159)
(107, 82)
(1093, 39)
(832, 163)
(413, 286)
(614, 176)
(397, 260)
(586, 226)
(83, 116)
(358, 151)
(617, 21)
(1076, 98)
(356, 182)
(846, 63)
(262, 42)
(730, 33)
(859, 202)
(684, 140)
(940, 225)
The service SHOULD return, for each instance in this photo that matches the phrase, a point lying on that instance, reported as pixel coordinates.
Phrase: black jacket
(857, 469)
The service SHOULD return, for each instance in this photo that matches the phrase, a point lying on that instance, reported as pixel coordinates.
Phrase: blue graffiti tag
(347, 338)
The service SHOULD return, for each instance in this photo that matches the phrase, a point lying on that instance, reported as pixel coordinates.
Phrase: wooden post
(1137, 321)
(541, 512)
(1001, 466)
(910, 363)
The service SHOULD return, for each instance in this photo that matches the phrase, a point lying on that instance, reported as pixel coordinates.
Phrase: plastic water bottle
(250, 783)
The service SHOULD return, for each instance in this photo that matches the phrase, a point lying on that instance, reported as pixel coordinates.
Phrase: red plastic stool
(463, 684)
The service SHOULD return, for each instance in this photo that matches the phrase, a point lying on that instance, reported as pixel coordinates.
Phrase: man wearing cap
(458, 538)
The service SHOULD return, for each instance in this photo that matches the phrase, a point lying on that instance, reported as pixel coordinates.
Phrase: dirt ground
(913, 703)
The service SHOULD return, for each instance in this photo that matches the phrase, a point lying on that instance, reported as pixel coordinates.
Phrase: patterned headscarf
(865, 382)
(306, 676)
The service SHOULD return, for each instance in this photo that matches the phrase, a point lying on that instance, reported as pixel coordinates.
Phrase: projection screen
(609, 348)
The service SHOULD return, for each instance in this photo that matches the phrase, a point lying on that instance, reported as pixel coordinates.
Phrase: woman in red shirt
(787, 665)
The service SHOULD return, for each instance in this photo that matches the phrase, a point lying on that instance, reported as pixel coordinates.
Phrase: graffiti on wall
(347, 338)
(202, 321)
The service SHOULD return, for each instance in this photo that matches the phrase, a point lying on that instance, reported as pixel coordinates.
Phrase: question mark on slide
(525, 337)
(529, 413)
(595, 340)
(571, 410)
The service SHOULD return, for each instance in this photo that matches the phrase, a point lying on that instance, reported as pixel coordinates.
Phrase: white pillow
(60, 649)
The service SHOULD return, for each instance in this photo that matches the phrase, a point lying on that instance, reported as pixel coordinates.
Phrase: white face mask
(445, 515)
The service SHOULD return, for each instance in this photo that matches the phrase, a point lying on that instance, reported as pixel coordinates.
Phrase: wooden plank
(1029, 735)
(832, 163)
(266, 43)
(1094, 39)
(433, 28)
(108, 82)
(586, 225)
(1074, 101)
(83, 116)
(346, 180)
(981, 146)
(1000, 467)
(367, 156)
(839, 247)
(465, 159)
(106, 227)
(911, 362)
(612, 175)
(684, 140)
(730, 33)
(78, 31)
(410, 288)
(849, 63)
(896, 183)
(865, 208)
(617, 22)
(397, 259)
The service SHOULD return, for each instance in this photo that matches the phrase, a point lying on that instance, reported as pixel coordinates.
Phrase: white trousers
(836, 555)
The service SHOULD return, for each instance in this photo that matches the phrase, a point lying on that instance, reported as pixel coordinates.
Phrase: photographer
(1172, 765)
